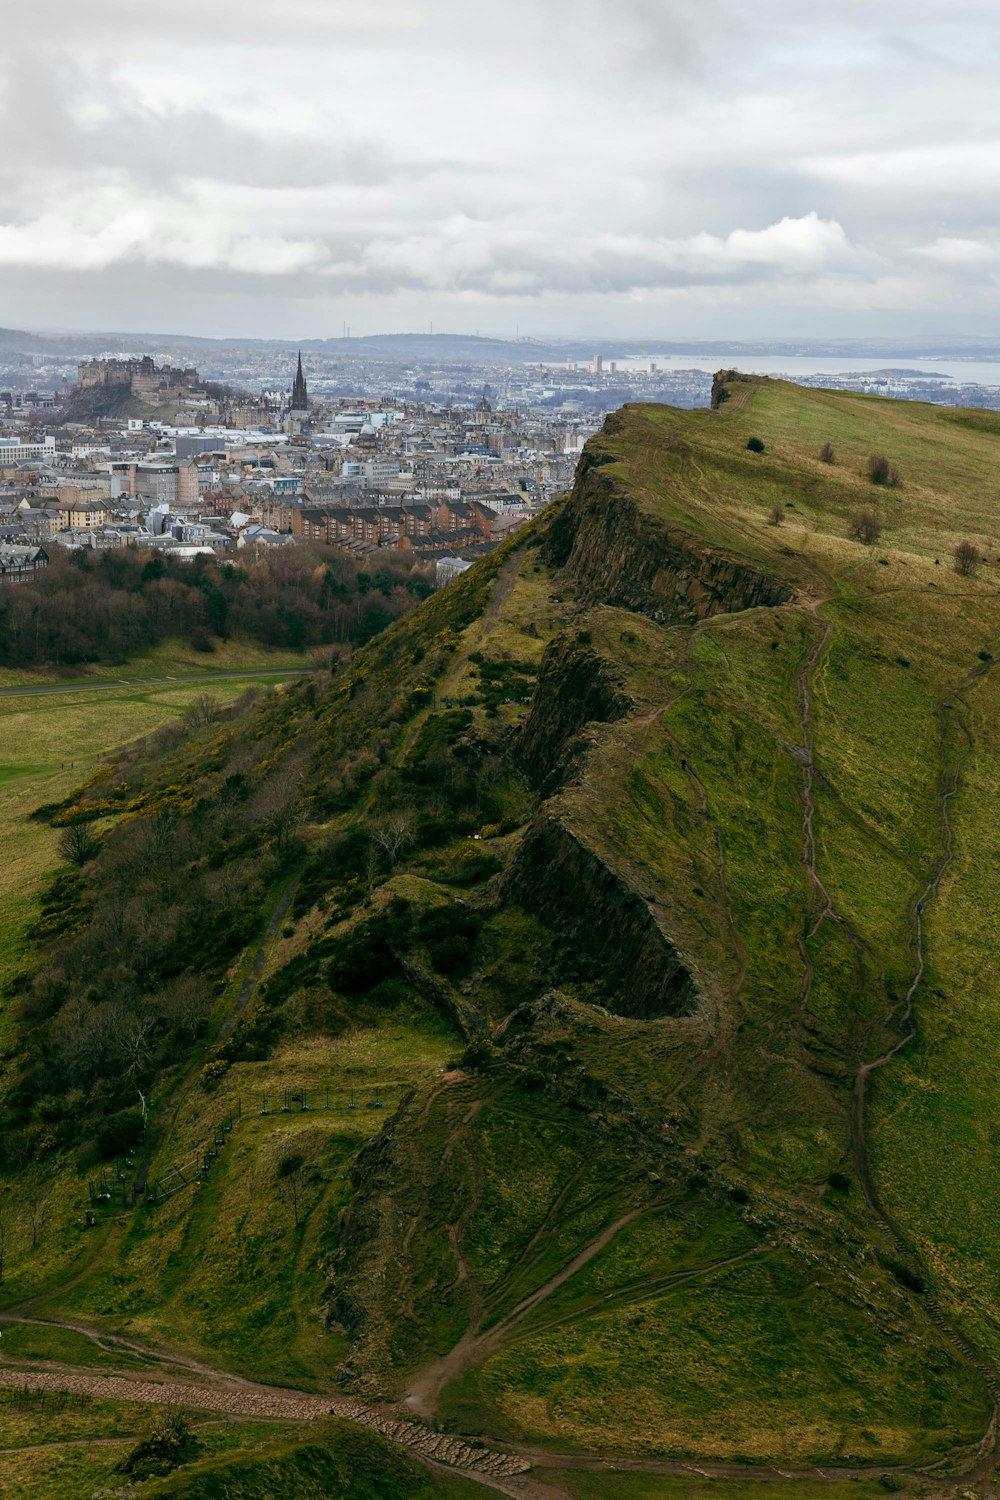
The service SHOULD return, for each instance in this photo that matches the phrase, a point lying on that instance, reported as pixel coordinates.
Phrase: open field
(172, 658)
(50, 745)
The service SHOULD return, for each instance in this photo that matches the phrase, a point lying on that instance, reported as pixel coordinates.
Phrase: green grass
(730, 1369)
(582, 1485)
(600, 1163)
(171, 658)
(221, 1269)
(332, 1459)
(36, 1342)
(50, 746)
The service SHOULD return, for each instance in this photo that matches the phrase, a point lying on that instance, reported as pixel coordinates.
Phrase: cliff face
(616, 554)
(575, 687)
(600, 918)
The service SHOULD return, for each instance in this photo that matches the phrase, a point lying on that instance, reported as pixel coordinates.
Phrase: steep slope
(624, 919)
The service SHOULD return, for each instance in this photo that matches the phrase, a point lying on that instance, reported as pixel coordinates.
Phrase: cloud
(558, 156)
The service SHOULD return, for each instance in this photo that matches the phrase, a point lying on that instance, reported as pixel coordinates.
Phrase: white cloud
(557, 158)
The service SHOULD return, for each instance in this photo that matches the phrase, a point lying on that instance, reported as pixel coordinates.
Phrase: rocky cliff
(615, 553)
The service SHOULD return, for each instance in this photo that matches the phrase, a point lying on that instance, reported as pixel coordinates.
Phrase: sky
(660, 168)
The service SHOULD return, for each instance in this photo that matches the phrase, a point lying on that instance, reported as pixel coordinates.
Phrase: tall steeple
(300, 396)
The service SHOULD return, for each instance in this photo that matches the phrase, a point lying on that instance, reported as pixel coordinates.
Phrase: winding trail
(987, 1454)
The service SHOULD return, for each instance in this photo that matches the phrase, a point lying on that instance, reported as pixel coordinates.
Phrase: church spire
(300, 396)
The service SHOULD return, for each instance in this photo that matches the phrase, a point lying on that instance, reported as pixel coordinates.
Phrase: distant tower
(300, 396)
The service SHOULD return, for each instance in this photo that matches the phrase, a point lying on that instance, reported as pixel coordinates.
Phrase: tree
(826, 454)
(967, 559)
(777, 516)
(79, 842)
(203, 712)
(865, 528)
(35, 1211)
(881, 471)
(755, 444)
(393, 832)
(292, 1176)
(8, 1221)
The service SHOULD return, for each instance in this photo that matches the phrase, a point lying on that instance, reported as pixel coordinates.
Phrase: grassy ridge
(597, 1231)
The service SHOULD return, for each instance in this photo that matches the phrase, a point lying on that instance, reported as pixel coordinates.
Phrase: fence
(118, 1187)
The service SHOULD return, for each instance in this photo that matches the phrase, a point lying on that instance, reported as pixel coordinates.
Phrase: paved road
(90, 684)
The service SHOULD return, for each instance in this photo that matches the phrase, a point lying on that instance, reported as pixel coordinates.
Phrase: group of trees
(110, 606)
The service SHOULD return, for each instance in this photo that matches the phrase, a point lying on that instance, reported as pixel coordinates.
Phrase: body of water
(799, 366)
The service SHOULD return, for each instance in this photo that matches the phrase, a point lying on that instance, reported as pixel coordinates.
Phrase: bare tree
(35, 1210)
(967, 559)
(134, 1042)
(203, 712)
(79, 842)
(827, 455)
(865, 528)
(393, 832)
(777, 516)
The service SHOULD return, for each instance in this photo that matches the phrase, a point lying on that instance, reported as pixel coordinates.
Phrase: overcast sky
(662, 167)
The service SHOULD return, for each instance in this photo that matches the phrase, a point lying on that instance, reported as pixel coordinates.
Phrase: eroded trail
(987, 1455)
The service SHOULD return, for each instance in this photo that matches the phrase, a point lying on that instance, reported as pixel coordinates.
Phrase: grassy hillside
(623, 920)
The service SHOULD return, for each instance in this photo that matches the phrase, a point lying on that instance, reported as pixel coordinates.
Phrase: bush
(755, 445)
(777, 516)
(361, 959)
(865, 528)
(449, 934)
(826, 454)
(118, 1133)
(168, 1444)
(881, 471)
(967, 559)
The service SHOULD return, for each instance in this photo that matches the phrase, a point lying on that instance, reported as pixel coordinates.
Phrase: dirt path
(271, 1404)
(987, 1456)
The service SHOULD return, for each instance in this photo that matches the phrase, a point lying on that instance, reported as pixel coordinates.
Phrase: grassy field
(172, 658)
(48, 746)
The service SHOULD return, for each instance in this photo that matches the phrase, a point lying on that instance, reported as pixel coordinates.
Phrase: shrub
(967, 559)
(79, 843)
(826, 454)
(366, 956)
(755, 444)
(118, 1133)
(881, 471)
(168, 1443)
(777, 516)
(449, 933)
(865, 528)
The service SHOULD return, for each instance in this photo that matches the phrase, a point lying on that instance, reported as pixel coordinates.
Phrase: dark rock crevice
(576, 686)
(600, 919)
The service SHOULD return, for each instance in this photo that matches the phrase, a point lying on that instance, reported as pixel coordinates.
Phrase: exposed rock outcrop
(616, 553)
(600, 917)
(576, 686)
